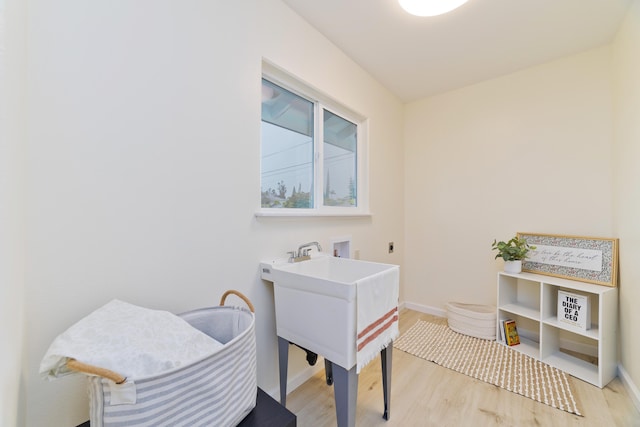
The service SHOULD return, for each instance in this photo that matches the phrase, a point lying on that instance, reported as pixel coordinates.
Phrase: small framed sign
(574, 309)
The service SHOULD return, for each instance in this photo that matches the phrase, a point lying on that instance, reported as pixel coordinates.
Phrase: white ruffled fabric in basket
(132, 341)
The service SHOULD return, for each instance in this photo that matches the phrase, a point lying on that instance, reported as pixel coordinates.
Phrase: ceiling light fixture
(430, 7)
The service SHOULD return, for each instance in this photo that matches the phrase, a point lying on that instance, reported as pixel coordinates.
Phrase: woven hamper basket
(218, 390)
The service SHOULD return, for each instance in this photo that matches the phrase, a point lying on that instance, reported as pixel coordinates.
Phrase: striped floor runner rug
(490, 362)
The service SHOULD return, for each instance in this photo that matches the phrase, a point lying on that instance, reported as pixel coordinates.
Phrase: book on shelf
(502, 337)
(574, 309)
(511, 332)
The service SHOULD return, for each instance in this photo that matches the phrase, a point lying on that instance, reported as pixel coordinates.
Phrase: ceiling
(415, 57)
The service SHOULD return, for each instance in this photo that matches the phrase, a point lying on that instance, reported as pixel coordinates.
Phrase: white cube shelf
(532, 301)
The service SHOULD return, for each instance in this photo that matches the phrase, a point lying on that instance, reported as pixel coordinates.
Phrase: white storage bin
(472, 319)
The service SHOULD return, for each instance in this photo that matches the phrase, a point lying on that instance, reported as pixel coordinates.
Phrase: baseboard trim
(629, 385)
(424, 309)
(298, 379)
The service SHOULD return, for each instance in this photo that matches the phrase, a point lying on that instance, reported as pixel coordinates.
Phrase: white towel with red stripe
(377, 322)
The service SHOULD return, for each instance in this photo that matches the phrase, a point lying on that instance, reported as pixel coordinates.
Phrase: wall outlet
(390, 247)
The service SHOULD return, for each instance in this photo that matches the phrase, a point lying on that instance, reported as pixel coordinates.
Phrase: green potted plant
(512, 252)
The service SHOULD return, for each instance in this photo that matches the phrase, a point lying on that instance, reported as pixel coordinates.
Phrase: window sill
(313, 214)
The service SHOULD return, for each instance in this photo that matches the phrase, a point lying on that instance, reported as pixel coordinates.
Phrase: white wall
(143, 166)
(529, 152)
(627, 186)
(11, 212)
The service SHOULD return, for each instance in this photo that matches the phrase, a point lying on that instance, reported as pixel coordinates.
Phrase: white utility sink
(316, 302)
(316, 307)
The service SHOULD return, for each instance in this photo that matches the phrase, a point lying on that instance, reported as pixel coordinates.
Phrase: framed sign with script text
(587, 259)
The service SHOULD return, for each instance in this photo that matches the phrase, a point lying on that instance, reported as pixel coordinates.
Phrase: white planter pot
(513, 266)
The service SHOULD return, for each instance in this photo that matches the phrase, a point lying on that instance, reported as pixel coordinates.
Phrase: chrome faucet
(308, 245)
(302, 254)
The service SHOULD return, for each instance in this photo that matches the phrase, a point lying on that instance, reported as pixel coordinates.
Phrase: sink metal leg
(345, 384)
(283, 362)
(345, 390)
(328, 371)
(386, 358)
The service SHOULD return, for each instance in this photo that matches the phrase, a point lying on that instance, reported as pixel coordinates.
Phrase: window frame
(323, 102)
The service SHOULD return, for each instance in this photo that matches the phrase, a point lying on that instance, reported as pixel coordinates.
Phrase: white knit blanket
(132, 341)
(377, 320)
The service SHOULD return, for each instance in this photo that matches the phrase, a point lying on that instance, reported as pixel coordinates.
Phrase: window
(311, 153)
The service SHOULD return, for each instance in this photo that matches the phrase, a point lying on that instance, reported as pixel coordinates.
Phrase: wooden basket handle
(242, 296)
(74, 365)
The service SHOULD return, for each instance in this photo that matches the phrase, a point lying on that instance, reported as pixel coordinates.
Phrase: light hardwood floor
(425, 394)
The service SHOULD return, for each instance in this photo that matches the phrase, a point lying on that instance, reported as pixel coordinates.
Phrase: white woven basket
(472, 319)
